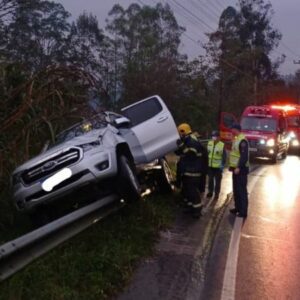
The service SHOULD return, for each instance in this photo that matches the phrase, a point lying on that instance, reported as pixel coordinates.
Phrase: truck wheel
(127, 183)
(164, 177)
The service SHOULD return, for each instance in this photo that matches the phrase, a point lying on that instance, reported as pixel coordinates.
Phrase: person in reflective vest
(189, 168)
(216, 162)
(239, 165)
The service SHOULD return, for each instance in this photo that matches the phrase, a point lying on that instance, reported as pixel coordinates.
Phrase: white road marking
(271, 221)
(229, 281)
(246, 236)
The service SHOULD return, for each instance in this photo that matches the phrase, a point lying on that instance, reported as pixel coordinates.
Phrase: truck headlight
(271, 143)
(262, 142)
(292, 135)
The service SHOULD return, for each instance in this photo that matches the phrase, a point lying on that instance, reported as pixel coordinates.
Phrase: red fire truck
(266, 129)
(293, 123)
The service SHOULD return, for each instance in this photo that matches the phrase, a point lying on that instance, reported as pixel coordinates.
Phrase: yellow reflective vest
(235, 154)
(215, 154)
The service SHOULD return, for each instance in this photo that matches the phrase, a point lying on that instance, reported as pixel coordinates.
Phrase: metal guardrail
(16, 254)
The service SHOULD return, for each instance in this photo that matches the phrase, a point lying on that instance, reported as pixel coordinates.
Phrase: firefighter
(216, 163)
(239, 165)
(189, 168)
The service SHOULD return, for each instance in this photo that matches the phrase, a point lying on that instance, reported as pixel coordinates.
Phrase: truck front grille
(51, 166)
(65, 183)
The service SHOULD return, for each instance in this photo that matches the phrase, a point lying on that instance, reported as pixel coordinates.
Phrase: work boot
(244, 216)
(197, 212)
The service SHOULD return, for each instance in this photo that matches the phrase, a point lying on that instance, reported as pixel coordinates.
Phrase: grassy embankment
(100, 261)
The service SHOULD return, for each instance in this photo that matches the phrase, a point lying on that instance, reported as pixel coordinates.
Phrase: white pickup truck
(105, 151)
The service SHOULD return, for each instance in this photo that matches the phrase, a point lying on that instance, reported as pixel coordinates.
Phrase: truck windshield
(97, 122)
(258, 124)
(293, 121)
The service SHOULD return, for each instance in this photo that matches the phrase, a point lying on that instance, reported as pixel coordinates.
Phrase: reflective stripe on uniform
(189, 149)
(192, 174)
(198, 205)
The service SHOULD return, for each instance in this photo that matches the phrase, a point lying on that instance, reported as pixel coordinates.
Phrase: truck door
(153, 127)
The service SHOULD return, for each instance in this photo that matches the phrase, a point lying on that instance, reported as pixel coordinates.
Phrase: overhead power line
(212, 4)
(195, 16)
(201, 43)
(180, 10)
(281, 53)
(289, 49)
(200, 6)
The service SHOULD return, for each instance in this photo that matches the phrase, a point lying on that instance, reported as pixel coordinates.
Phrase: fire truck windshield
(258, 124)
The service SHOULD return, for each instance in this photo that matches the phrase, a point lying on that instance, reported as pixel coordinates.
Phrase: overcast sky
(286, 19)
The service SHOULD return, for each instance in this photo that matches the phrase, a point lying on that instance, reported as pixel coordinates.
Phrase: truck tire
(164, 178)
(128, 186)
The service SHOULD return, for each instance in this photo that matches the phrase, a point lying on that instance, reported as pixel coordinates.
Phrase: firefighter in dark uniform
(216, 162)
(189, 168)
(239, 165)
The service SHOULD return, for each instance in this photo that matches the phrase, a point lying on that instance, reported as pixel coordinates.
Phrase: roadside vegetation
(100, 261)
(54, 72)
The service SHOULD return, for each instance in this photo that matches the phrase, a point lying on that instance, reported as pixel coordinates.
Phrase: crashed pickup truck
(108, 150)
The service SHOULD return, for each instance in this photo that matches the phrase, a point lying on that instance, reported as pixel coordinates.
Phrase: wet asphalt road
(218, 257)
(269, 260)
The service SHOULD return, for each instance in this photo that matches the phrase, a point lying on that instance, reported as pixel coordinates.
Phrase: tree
(241, 50)
(35, 34)
(145, 43)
